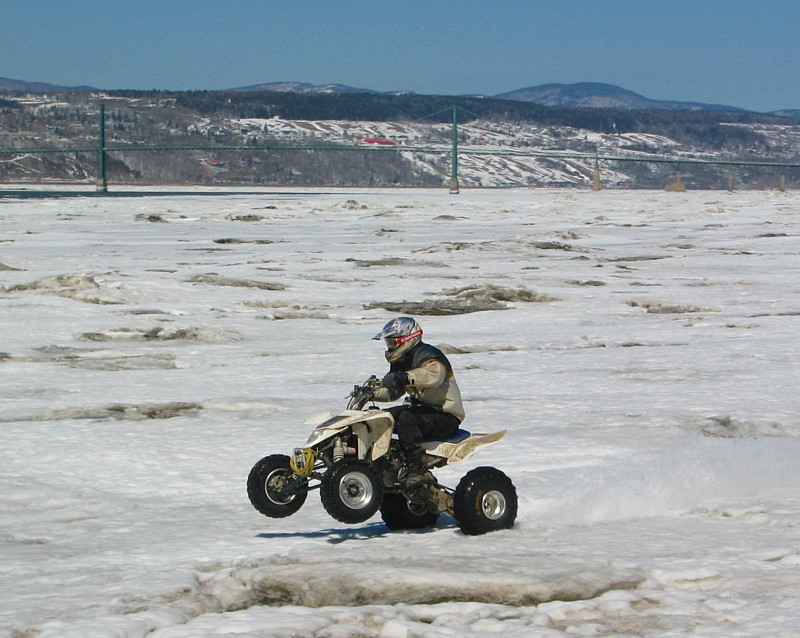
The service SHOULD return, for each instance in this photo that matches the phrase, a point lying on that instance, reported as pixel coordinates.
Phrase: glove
(395, 380)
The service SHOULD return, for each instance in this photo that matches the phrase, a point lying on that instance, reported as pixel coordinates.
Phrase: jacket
(431, 381)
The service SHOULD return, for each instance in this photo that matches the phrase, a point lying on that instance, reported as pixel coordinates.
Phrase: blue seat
(457, 437)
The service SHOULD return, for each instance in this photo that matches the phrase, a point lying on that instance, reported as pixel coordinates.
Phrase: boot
(417, 473)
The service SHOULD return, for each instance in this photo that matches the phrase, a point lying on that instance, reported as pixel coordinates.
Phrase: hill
(581, 94)
(8, 85)
(302, 87)
(591, 95)
(309, 138)
(597, 95)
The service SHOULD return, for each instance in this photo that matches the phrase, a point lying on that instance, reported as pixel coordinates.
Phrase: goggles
(394, 342)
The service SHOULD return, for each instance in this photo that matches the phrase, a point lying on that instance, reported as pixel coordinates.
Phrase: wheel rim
(493, 505)
(274, 485)
(417, 509)
(355, 490)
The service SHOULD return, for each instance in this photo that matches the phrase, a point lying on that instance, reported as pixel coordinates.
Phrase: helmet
(400, 335)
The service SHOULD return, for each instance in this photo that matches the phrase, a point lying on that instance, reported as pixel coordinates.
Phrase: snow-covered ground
(155, 347)
(492, 154)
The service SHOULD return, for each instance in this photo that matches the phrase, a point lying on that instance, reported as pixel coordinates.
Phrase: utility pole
(596, 176)
(102, 183)
(454, 167)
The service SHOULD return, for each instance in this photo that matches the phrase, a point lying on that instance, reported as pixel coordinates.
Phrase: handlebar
(363, 393)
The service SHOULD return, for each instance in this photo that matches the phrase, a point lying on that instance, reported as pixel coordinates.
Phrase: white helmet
(400, 335)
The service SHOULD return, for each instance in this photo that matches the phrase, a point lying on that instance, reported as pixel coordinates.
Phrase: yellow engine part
(302, 462)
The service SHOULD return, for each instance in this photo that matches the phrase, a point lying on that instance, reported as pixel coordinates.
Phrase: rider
(433, 407)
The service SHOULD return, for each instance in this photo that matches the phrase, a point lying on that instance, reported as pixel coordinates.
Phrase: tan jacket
(430, 385)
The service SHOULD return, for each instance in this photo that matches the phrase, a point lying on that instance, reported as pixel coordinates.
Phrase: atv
(358, 464)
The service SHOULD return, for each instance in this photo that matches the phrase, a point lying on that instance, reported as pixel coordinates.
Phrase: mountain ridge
(579, 95)
(302, 87)
(599, 95)
(23, 86)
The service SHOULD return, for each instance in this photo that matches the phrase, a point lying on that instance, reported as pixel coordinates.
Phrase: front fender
(324, 432)
(372, 429)
(374, 437)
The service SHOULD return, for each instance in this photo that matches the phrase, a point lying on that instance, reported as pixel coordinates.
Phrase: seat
(458, 436)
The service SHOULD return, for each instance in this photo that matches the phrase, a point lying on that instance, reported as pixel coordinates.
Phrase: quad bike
(358, 465)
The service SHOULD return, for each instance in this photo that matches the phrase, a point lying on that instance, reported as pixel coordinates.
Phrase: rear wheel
(400, 513)
(485, 501)
(351, 491)
(273, 490)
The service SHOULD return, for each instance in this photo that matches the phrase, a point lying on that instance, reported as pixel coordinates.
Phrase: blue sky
(735, 52)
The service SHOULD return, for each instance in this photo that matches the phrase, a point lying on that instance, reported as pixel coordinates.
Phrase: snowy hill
(512, 144)
(302, 87)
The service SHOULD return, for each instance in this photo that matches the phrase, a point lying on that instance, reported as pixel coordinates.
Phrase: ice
(640, 347)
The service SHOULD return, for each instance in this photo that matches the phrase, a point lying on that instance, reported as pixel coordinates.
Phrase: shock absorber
(338, 450)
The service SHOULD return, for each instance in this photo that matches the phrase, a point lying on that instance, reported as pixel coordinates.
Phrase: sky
(734, 52)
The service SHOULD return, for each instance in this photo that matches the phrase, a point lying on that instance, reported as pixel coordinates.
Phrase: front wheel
(272, 489)
(485, 501)
(351, 491)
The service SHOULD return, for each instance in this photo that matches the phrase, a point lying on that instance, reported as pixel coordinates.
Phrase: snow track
(640, 347)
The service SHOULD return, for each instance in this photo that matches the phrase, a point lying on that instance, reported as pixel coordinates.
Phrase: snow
(491, 154)
(157, 343)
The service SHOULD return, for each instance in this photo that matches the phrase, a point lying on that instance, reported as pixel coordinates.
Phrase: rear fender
(462, 450)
